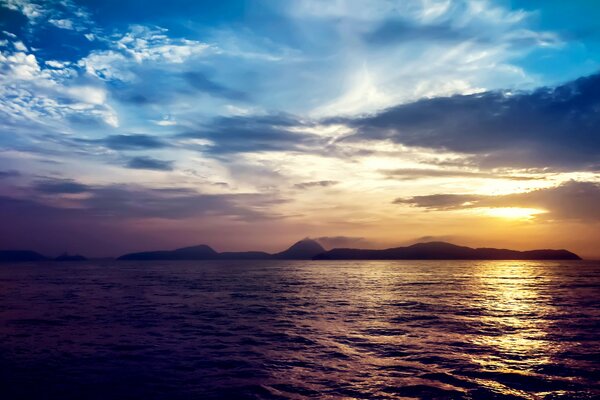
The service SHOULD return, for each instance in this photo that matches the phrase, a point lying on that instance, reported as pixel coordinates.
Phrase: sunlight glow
(514, 212)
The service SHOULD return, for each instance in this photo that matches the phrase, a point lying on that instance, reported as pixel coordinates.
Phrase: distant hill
(308, 249)
(20, 255)
(444, 251)
(303, 250)
(200, 252)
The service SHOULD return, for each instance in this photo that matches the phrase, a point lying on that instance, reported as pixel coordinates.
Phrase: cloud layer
(570, 201)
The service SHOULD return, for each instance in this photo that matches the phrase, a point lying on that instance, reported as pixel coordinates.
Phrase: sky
(136, 125)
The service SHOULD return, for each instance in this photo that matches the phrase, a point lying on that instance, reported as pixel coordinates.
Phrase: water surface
(293, 329)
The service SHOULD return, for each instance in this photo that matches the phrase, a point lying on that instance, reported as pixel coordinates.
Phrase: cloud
(174, 203)
(132, 142)
(135, 202)
(46, 94)
(60, 186)
(149, 163)
(242, 134)
(549, 127)
(64, 14)
(9, 174)
(573, 200)
(202, 83)
(62, 23)
(138, 46)
(420, 173)
(442, 201)
(315, 184)
(117, 218)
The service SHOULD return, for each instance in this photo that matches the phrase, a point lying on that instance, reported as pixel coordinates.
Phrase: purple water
(292, 330)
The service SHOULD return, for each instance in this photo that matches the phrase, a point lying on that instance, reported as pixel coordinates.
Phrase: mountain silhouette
(308, 249)
(20, 255)
(305, 249)
(200, 252)
(444, 251)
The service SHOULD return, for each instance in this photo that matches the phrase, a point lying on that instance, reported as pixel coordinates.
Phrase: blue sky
(295, 118)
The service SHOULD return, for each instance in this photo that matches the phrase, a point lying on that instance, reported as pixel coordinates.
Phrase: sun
(513, 212)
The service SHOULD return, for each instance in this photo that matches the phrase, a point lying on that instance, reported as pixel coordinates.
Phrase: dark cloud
(60, 186)
(549, 127)
(132, 142)
(572, 200)
(331, 242)
(313, 184)
(9, 174)
(149, 163)
(256, 134)
(419, 173)
(116, 218)
(134, 202)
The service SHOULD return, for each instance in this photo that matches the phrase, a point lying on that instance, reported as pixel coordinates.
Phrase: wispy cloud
(315, 184)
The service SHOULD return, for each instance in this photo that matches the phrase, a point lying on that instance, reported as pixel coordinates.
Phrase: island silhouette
(309, 249)
(28, 255)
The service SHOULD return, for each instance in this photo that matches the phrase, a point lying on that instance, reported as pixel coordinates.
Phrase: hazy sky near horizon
(136, 125)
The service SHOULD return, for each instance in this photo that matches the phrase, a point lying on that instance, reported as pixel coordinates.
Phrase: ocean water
(293, 330)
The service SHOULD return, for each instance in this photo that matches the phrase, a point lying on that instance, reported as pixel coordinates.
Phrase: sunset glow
(299, 199)
(514, 212)
(250, 125)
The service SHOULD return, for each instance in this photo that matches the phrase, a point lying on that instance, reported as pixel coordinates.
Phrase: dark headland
(308, 249)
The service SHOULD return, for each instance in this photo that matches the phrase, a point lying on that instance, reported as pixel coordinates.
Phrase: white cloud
(88, 94)
(34, 94)
(27, 8)
(56, 64)
(165, 122)
(20, 46)
(140, 45)
(62, 23)
(64, 14)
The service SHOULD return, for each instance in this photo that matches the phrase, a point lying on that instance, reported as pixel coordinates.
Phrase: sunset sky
(136, 125)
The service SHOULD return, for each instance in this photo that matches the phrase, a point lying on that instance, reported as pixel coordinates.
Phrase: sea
(300, 329)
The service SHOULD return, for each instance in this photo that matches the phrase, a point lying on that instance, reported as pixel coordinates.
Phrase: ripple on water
(295, 330)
